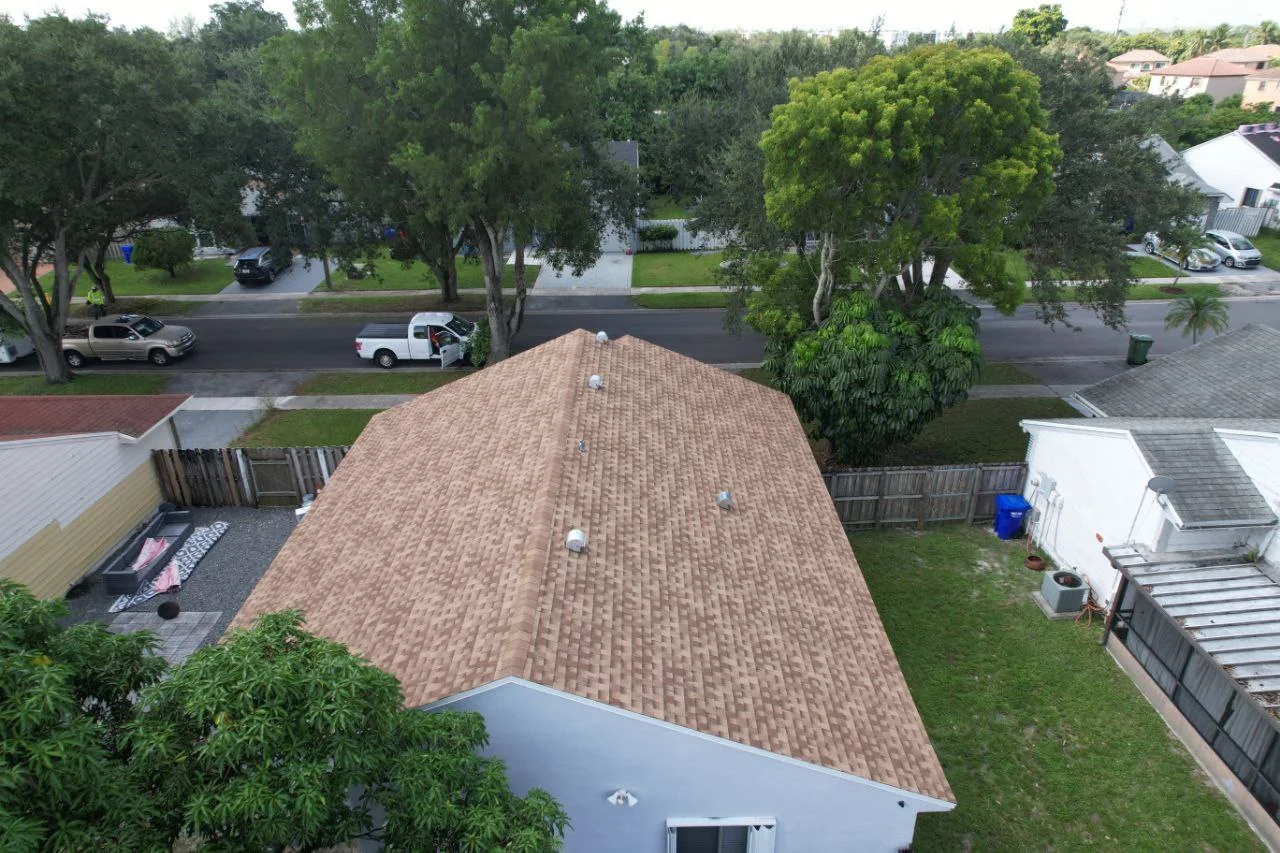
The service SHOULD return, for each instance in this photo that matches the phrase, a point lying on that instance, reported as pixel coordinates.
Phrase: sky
(914, 15)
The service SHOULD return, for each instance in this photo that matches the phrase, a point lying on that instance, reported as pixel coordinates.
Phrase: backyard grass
(115, 383)
(998, 373)
(378, 382)
(665, 207)
(674, 269)
(681, 300)
(978, 431)
(393, 275)
(1045, 741)
(388, 304)
(1268, 243)
(306, 428)
(127, 280)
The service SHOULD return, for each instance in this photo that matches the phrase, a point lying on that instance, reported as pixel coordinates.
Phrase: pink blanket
(168, 580)
(151, 549)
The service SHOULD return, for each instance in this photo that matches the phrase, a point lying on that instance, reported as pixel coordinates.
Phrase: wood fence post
(926, 492)
(974, 489)
(881, 503)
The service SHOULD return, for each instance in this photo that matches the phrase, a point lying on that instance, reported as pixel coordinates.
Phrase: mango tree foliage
(65, 699)
(941, 153)
(1041, 25)
(873, 374)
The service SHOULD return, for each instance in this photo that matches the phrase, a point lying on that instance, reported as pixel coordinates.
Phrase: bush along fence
(868, 498)
(864, 498)
(683, 240)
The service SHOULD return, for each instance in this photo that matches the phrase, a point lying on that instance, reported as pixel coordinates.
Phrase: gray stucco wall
(581, 752)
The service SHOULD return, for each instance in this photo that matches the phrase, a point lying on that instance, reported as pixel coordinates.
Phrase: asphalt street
(301, 342)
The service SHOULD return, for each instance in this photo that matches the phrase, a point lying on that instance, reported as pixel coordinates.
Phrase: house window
(1262, 85)
(720, 835)
(1195, 82)
(1251, 197)
(1146, 66)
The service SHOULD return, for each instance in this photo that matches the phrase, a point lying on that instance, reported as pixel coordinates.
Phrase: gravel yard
(222, 580)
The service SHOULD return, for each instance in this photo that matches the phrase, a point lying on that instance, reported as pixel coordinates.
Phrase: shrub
(477, 346)
(164, 249)
(662, 235)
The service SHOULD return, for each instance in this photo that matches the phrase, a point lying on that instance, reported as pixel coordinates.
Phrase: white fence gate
(685, 241)
(1245, 220)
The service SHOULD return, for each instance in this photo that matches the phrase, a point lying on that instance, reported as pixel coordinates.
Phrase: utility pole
(1119, 17)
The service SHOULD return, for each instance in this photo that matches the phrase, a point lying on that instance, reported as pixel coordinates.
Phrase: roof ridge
(514, 654)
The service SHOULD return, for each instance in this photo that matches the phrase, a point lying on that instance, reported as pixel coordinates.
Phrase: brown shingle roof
(1203, 67)
(437, 552)
(1256, 53)
(38, 417)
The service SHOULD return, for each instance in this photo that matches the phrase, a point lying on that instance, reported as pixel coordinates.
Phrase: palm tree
(1267, 32)
(1197, 313)
(1194, 44)
(1218, 37)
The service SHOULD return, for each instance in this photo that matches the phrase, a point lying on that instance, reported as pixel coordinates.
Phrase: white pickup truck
(429, 335)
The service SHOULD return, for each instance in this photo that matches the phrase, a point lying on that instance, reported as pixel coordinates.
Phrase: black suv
(259, 265)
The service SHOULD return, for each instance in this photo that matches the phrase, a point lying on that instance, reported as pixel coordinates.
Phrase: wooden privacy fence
(864, 497)
(247, 476)
(867, 498)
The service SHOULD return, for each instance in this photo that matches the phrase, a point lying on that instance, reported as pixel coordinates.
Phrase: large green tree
(1041, 25)
(89, 116)
(941, 154)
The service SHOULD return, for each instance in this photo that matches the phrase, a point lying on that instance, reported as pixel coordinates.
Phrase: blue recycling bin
(127, 251)
(1011, 512)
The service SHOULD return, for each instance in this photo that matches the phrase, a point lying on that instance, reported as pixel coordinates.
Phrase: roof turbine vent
(576, 541)
(724, 500)
(602, 337)
(595, 383)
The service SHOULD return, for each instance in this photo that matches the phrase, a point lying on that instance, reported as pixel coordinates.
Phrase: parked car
(429, 335)
(260, 264)
(1234, 249)
(127, 337)
(1197, 260)
(14, 345)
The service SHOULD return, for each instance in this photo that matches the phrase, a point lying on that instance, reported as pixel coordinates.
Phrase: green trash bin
(1139, 346)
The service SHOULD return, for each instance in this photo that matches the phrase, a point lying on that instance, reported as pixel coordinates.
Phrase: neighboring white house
(1201, 76)
(1135, 63)
(75, 477)
(1244, 163)
(703, 668)
(1184, 176)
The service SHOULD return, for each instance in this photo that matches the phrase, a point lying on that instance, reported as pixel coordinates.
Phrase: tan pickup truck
(132, 337)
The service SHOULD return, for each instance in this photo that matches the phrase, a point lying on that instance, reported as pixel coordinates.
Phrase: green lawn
(978, 431)
(378, 382)
(1045, 741)
(86, 383)
(306, 428)
(996, 373)
(674, 269)
(127, 280)
(393, 275)
(1186, 285)
(681, 300)
(388, 304)
(1268, 243)
(1149, 267)
(144, 305)
(665, 207)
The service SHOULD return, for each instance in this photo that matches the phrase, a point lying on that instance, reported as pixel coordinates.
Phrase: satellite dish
(1162, 485)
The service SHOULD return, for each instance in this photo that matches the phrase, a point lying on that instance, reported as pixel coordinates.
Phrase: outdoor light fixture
(622, 797)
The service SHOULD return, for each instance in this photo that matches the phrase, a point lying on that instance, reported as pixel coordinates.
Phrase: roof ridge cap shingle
(514, 654)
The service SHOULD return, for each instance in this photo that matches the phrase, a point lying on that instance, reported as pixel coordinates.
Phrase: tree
(90, 115)
(1041, 25)
(1218, 37)
(1267, 32)
(65, 702)
(164, 249)
(1196, 314)
(278, 739)
(941, 153)
(873, 374)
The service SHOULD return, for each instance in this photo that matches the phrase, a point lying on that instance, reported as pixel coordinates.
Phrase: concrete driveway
(296, 279)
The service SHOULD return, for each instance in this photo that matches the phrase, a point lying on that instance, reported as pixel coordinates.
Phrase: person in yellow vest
(97, 303)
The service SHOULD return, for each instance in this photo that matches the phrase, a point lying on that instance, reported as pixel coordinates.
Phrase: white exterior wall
(1100, 480)
(581, 751)
(1216, 87)
(1232, 164)
(47, 479)
(1259, 456)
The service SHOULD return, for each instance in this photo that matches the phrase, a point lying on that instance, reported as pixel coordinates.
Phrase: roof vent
(595, 383)
(576, 541)
(602, 337)
(724, 500)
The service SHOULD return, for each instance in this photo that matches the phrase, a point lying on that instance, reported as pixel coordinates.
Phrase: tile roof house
(1135, 63)
(1254, 58)
(1215, 77)
(75, 477)
(1262, 88)
(725, 667)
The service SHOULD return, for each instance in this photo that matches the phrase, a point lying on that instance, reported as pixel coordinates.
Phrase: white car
(1197, 260)
(14, 345)
(1234, 249)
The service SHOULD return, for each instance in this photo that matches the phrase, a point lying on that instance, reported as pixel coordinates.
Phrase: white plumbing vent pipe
(595, 383)
(602, 337)
(576, 541)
